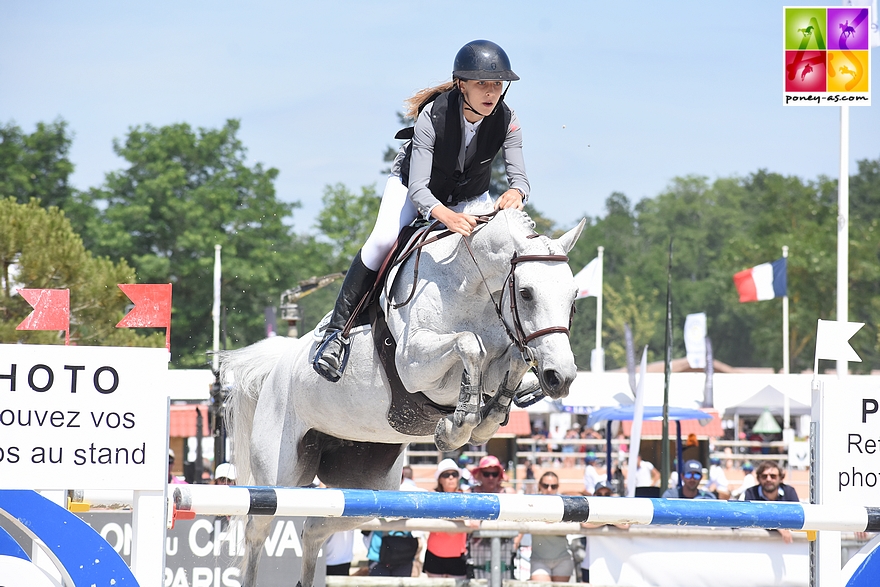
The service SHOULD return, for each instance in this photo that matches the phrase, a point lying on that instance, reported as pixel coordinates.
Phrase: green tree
(183, 192)
(39, 250)
(36, 165)
(347, 219)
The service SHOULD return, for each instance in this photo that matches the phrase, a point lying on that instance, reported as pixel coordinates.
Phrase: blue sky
(614, 96)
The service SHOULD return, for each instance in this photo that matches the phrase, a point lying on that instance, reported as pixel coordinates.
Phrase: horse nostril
(552, 380)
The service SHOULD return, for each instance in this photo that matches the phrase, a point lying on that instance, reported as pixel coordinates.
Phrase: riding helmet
(482, 60)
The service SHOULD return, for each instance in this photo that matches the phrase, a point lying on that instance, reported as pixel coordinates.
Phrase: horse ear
(567, 240)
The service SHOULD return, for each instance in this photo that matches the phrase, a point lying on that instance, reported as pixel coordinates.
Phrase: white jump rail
(189, 500)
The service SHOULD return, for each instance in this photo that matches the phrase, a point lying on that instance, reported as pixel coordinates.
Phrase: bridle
(516, 333)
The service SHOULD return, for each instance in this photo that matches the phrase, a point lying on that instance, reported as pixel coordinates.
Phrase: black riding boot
(332, 354)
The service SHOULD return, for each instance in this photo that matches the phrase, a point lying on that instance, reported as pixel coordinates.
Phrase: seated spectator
(445, 554)
(748, 481)
(771, 488)
(224, 474)
(690, 488)
(551, 558)
(717, 479)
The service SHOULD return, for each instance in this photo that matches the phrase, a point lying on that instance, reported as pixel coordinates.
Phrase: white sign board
(850, 444)
(83, 417)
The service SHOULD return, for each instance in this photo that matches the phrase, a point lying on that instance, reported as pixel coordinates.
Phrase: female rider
(460, 128)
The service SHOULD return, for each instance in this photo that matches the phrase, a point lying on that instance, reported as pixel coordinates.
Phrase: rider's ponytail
(414, 104)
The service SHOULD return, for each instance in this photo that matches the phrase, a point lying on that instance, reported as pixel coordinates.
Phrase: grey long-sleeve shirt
(423, 155)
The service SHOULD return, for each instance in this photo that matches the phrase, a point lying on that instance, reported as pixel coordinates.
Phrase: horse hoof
(441, 438)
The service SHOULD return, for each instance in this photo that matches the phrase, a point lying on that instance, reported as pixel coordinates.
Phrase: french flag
(763, 282)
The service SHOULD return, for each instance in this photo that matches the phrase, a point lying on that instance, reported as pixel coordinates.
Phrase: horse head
(537, 292)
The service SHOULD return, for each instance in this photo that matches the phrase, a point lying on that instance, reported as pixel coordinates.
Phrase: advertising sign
(826, 56)
(83, 417)
(206, 551)
(850, 444)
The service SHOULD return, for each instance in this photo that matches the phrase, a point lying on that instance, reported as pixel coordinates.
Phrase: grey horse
(461, 343)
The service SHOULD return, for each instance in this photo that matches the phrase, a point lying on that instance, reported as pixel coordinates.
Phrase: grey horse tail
(246, 369)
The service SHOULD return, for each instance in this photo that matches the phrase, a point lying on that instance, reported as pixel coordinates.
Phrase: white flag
(695, 340)
(872, 4)
(832, 340)
(589, 280)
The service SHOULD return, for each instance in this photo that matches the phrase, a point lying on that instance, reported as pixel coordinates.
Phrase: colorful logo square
(805, 29)
(847, 71)
(826, 57)
(848, 29)
(805, 71)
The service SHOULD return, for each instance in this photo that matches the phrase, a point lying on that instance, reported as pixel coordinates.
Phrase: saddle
(412, 414)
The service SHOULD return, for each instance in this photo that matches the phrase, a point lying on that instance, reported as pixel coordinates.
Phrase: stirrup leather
(321, 366)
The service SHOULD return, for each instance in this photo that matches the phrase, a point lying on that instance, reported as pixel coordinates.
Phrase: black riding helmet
(482, 60)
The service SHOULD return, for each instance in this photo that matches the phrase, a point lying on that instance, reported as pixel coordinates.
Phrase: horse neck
(495, 244)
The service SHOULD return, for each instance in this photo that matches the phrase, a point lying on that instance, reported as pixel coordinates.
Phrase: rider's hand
(463, 224)
(510, 199)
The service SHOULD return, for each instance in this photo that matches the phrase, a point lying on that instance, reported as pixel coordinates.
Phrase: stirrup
(319, 363)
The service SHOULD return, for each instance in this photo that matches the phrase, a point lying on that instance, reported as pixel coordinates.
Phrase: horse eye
(525, 294)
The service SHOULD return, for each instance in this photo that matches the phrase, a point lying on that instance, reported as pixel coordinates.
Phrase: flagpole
(597, 357)
(843, 229)
(599, 303)
(786, 369)
(215, 312)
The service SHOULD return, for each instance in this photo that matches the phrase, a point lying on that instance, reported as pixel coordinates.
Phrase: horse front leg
(497, 410)
(452, 431)
(429, 358)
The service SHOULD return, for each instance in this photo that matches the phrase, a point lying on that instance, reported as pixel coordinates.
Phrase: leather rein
(517, 335)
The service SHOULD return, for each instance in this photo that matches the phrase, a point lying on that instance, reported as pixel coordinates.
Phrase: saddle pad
(410, 413)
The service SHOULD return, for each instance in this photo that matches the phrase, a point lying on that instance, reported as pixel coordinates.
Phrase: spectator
(603, 489)
(748, 481)
(466, 480)
(445, 554)
(690, 488)
(551, 558)
(529, 484)
(570, 449)
(556, 434)
(591, 475)
(488, 476)
(224, 474)
(338, 552)
(647, 474)
(391, 554)
(717, 479)
(691, 450)
(406, 482)
(172, 478)
(771, 488)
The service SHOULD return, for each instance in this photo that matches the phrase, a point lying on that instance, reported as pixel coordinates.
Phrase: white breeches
(396, 211)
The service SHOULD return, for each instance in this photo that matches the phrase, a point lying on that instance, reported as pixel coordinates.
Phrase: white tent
(769, 398)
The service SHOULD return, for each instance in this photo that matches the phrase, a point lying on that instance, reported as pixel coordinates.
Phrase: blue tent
(649, 413)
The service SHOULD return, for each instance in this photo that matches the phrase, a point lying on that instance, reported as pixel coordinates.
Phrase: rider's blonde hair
(413, 104)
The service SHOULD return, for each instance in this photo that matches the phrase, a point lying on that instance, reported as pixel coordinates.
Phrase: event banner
(75, 417)
(206, 552)
(826, 56)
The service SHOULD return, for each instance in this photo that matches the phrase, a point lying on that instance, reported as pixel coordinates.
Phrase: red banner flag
(152, 307)
(51, 310)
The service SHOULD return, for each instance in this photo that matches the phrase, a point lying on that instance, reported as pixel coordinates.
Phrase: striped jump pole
(189, 500)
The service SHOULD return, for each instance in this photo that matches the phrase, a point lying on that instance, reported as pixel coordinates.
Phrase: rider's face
(482, 95)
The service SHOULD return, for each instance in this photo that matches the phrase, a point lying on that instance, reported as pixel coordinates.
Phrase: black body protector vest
(448, 184)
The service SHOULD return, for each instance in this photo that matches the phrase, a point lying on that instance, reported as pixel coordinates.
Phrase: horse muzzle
(555, 382)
